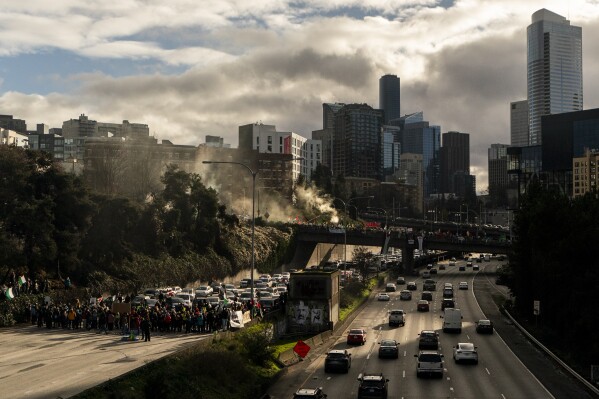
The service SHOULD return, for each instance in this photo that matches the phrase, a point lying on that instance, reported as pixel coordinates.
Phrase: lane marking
(487, 370)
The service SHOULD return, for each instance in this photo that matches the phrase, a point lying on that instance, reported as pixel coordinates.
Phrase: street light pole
(253, 173)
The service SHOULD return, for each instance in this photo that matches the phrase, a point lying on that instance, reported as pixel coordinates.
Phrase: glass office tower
(389, 98)
(554, 69)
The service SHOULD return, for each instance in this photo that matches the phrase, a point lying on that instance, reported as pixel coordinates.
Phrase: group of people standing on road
(142, 320)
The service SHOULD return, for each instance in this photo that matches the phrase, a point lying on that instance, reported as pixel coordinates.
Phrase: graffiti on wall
(313, 314)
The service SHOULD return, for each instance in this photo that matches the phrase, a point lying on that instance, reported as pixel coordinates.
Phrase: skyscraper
(455, 160)
(519, 123)
(554, 69)
(389, 99)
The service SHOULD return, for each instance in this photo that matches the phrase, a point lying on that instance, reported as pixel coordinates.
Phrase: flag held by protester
(22, 280)
(10, 294)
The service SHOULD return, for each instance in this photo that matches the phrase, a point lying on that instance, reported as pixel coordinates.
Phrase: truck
(487, 257)
(452, 320)
(397, 317)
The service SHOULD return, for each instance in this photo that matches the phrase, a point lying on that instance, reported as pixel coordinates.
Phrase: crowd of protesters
(142, 320)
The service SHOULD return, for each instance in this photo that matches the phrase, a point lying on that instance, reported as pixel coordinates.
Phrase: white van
(452, 320)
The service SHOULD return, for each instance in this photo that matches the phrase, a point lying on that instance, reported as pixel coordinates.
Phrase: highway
(40, 363)
(499, 373)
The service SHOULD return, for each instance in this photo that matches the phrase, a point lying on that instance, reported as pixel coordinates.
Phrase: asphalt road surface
(41, 363)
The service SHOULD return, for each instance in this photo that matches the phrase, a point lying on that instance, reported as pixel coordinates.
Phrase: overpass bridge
(309, 236)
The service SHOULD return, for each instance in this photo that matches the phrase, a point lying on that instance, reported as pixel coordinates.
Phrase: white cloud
(265, 60)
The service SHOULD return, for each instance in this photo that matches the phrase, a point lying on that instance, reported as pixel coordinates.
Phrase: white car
(383, 296)
(204, 291)
(463, 285)
(286, 275)
(187, 298)
(465, 352)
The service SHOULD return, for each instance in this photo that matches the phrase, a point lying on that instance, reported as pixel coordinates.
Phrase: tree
(363, 259)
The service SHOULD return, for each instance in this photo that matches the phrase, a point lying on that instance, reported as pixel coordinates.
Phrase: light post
(253, 173)
(345, 228)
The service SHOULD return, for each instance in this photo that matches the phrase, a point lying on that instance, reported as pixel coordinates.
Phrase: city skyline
(189, 73)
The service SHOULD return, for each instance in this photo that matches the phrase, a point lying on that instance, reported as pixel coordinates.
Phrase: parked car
(484, 326)
(139, 300)
(356, 336)
(388, 348)
(429, 363)
(337, 360)
(204, 291)
(372, 386)
(187, 298)
(465, 352)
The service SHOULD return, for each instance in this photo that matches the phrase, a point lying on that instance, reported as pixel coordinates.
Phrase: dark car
(389, 348)
(372, 386)
(423, 306)
(447, 303)
(442, 267)
(426, 295)
(412, 286)
(337, 360)
(433, 271)
(484, 326)
(429, 285)
(400, 281)
(309, 393)
(428, 339)
(462, 268)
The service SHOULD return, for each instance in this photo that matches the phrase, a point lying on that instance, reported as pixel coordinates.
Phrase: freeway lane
(499, 373)
(40, 363)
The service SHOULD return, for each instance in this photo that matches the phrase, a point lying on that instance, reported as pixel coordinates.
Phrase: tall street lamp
(345, 227)
(253, 173)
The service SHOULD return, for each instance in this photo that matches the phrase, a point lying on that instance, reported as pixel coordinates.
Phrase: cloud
(238, 62)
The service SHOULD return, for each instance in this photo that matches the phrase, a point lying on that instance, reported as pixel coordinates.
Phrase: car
(269, 304)
(372, 386)
(428, 339)
(204, 291)
(187, 298)
(277, 276)
(429, 266)
(401, 281)
(383, 296)
(469, 263)
(452, 262)
(447, 303)
(390, 287)
(484, 326)
(175, 302)
(150, 303)
(426, 295)
(397, 317)
(442, 266)
(309, 393)
(388, 348)
(337, 360)
(475, 268)
(139, 300)
(412, 286)
(286, 275)
(463, 285)
(462, 268)
(426, 274)
(430, 363)
(405, 295)
(429, 285)
(448, 292)
(433, 271)
(356, 336)
(465, 352)
(423, 306)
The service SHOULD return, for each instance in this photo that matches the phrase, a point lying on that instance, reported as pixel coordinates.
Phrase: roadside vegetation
(556, 263)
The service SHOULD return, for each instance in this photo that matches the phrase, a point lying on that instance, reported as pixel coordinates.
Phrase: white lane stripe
(487, 370)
